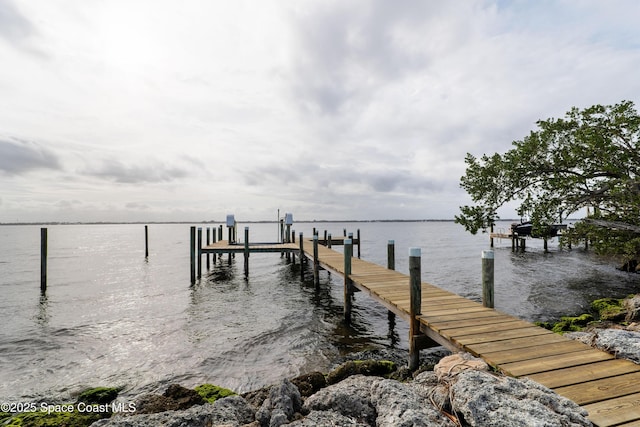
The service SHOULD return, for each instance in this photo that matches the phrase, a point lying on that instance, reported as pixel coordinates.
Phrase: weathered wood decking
(608, 388)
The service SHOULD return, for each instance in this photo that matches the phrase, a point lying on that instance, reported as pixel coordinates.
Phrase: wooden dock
(608, 388)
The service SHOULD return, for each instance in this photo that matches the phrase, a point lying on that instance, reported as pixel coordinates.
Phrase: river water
(110, 317)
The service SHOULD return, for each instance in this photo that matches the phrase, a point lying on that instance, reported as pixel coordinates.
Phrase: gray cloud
(14, 27)
(116, 171)
(18, 156)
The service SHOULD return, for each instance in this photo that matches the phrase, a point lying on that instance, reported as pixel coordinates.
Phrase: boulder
(452, 365)
(309, 383)
(632, 307)
(621, 343)
(327, 419)
(283, 402)
(377, 401)
(232, 411)
(174, 398)
(481, 398)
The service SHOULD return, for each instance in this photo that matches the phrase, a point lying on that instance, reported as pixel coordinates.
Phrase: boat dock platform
(607, 387)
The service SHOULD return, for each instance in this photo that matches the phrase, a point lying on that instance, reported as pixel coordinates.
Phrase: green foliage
(211, 393)
(590, 158)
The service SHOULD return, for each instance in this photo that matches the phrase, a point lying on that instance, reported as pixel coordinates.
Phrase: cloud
(117, 171)
(18, 156)
(14, 27)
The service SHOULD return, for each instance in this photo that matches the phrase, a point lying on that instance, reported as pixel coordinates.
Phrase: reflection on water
(113, 317)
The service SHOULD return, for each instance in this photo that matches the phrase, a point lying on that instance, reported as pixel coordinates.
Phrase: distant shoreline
(247, 222)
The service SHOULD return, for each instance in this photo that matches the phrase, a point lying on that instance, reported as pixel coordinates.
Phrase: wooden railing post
(329, 240)
(348, 253)
(43, 260)
(415, 308)
(487, 278)
(192, 251)
(316, 262)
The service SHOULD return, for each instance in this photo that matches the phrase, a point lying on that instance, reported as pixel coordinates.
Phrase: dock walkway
(608, 388)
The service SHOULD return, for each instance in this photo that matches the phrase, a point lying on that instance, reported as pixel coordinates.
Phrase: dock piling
(415, 308)
(246, 251)
(208, 242)
(358, 242)
(192, 251)
(391, 265)
(329, 240)
(316, 262)
(487, 278)
(43, 260)
(302, 257)
(199, 260)
(146, 241)
(348, 253)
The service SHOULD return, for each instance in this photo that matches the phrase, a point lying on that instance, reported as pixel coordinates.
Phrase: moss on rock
(572, 324)
(99, 395)
(382, 368)
(211, 393)
(73, 418)
(609, 308)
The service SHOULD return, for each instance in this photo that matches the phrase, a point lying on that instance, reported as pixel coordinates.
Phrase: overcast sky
(188, 110)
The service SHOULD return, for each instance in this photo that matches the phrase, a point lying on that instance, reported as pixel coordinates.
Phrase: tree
(589, 158)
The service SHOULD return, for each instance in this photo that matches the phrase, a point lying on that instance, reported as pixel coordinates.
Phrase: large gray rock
(483, 399)
(623, 344)
(279, 408)
(619, 342)
(377, 401)
(232, 411)
(327, 419)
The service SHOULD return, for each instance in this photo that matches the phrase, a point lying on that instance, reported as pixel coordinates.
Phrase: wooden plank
(584, 373)
(468, 340)
(519, 343)
(549, 363)
(457, 311)
(496, 318)
(491, 327)
(428, 318)
(598, 390)
(527, 353)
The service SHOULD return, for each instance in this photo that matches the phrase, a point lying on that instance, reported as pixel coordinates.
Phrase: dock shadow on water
(113, 317)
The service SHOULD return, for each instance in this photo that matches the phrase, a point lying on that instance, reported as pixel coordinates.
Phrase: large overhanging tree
(589, 158)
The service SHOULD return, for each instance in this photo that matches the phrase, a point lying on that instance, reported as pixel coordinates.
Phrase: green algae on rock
(211, 393)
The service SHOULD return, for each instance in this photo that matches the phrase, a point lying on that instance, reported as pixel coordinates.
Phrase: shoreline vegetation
(370, 388)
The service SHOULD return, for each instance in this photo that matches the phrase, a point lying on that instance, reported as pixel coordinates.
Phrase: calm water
(111, 317)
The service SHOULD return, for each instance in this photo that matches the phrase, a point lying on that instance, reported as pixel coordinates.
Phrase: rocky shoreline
(379, 390)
